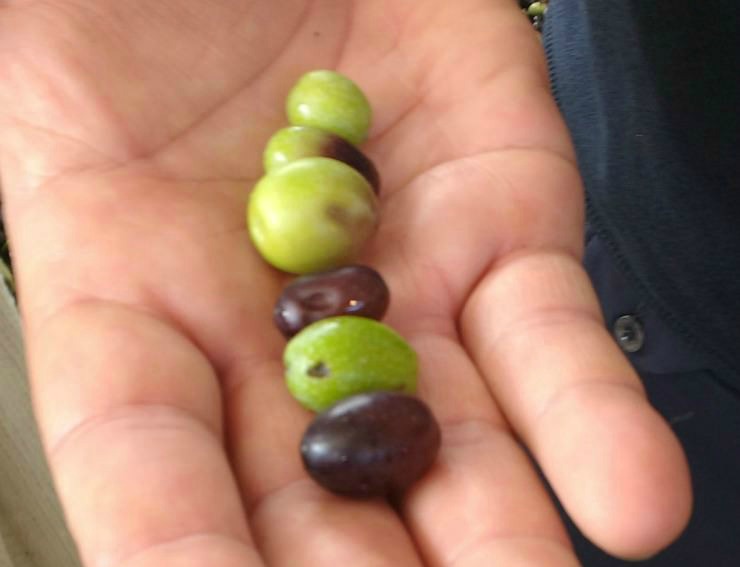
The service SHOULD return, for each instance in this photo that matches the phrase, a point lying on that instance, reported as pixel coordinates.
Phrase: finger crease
(208, 539)
(472, 431)
(488, 538)
(577, 389)
(137, 413)
(258, 501)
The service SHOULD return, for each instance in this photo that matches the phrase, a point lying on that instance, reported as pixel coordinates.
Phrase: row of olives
(311, 214)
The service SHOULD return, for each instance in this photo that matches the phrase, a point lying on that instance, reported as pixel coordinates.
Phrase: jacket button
(629, 332)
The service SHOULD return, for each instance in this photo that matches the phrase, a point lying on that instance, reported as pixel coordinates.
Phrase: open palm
(131, 135)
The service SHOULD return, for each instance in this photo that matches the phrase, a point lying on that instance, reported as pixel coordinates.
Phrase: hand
(131, 133)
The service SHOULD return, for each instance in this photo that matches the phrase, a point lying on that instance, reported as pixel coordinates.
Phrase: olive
(330, 101)
(537, 9)
(351, 290)
(373, 444)
(312, 214)
(339, 357)
(296, 142)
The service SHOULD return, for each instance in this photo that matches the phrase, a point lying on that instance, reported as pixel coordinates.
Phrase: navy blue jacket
(650, 92)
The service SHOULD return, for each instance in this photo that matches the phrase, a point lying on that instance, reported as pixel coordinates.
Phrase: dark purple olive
(340, 149)
(374, 444)
(296, 142)
(351, 290)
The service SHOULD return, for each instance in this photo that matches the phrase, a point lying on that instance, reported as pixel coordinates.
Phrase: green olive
(341, 356)
(332, 102)
(313, 214)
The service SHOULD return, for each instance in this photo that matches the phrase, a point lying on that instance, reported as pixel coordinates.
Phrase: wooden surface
(32, 532)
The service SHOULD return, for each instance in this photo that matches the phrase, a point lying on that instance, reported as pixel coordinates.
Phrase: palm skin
(131, 134)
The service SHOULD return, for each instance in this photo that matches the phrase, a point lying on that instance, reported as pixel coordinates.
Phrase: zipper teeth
(547, 46)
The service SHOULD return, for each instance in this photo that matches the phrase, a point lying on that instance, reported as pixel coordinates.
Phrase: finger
(482, 502)
(295, 522)
(534, 328)
(130, 415)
